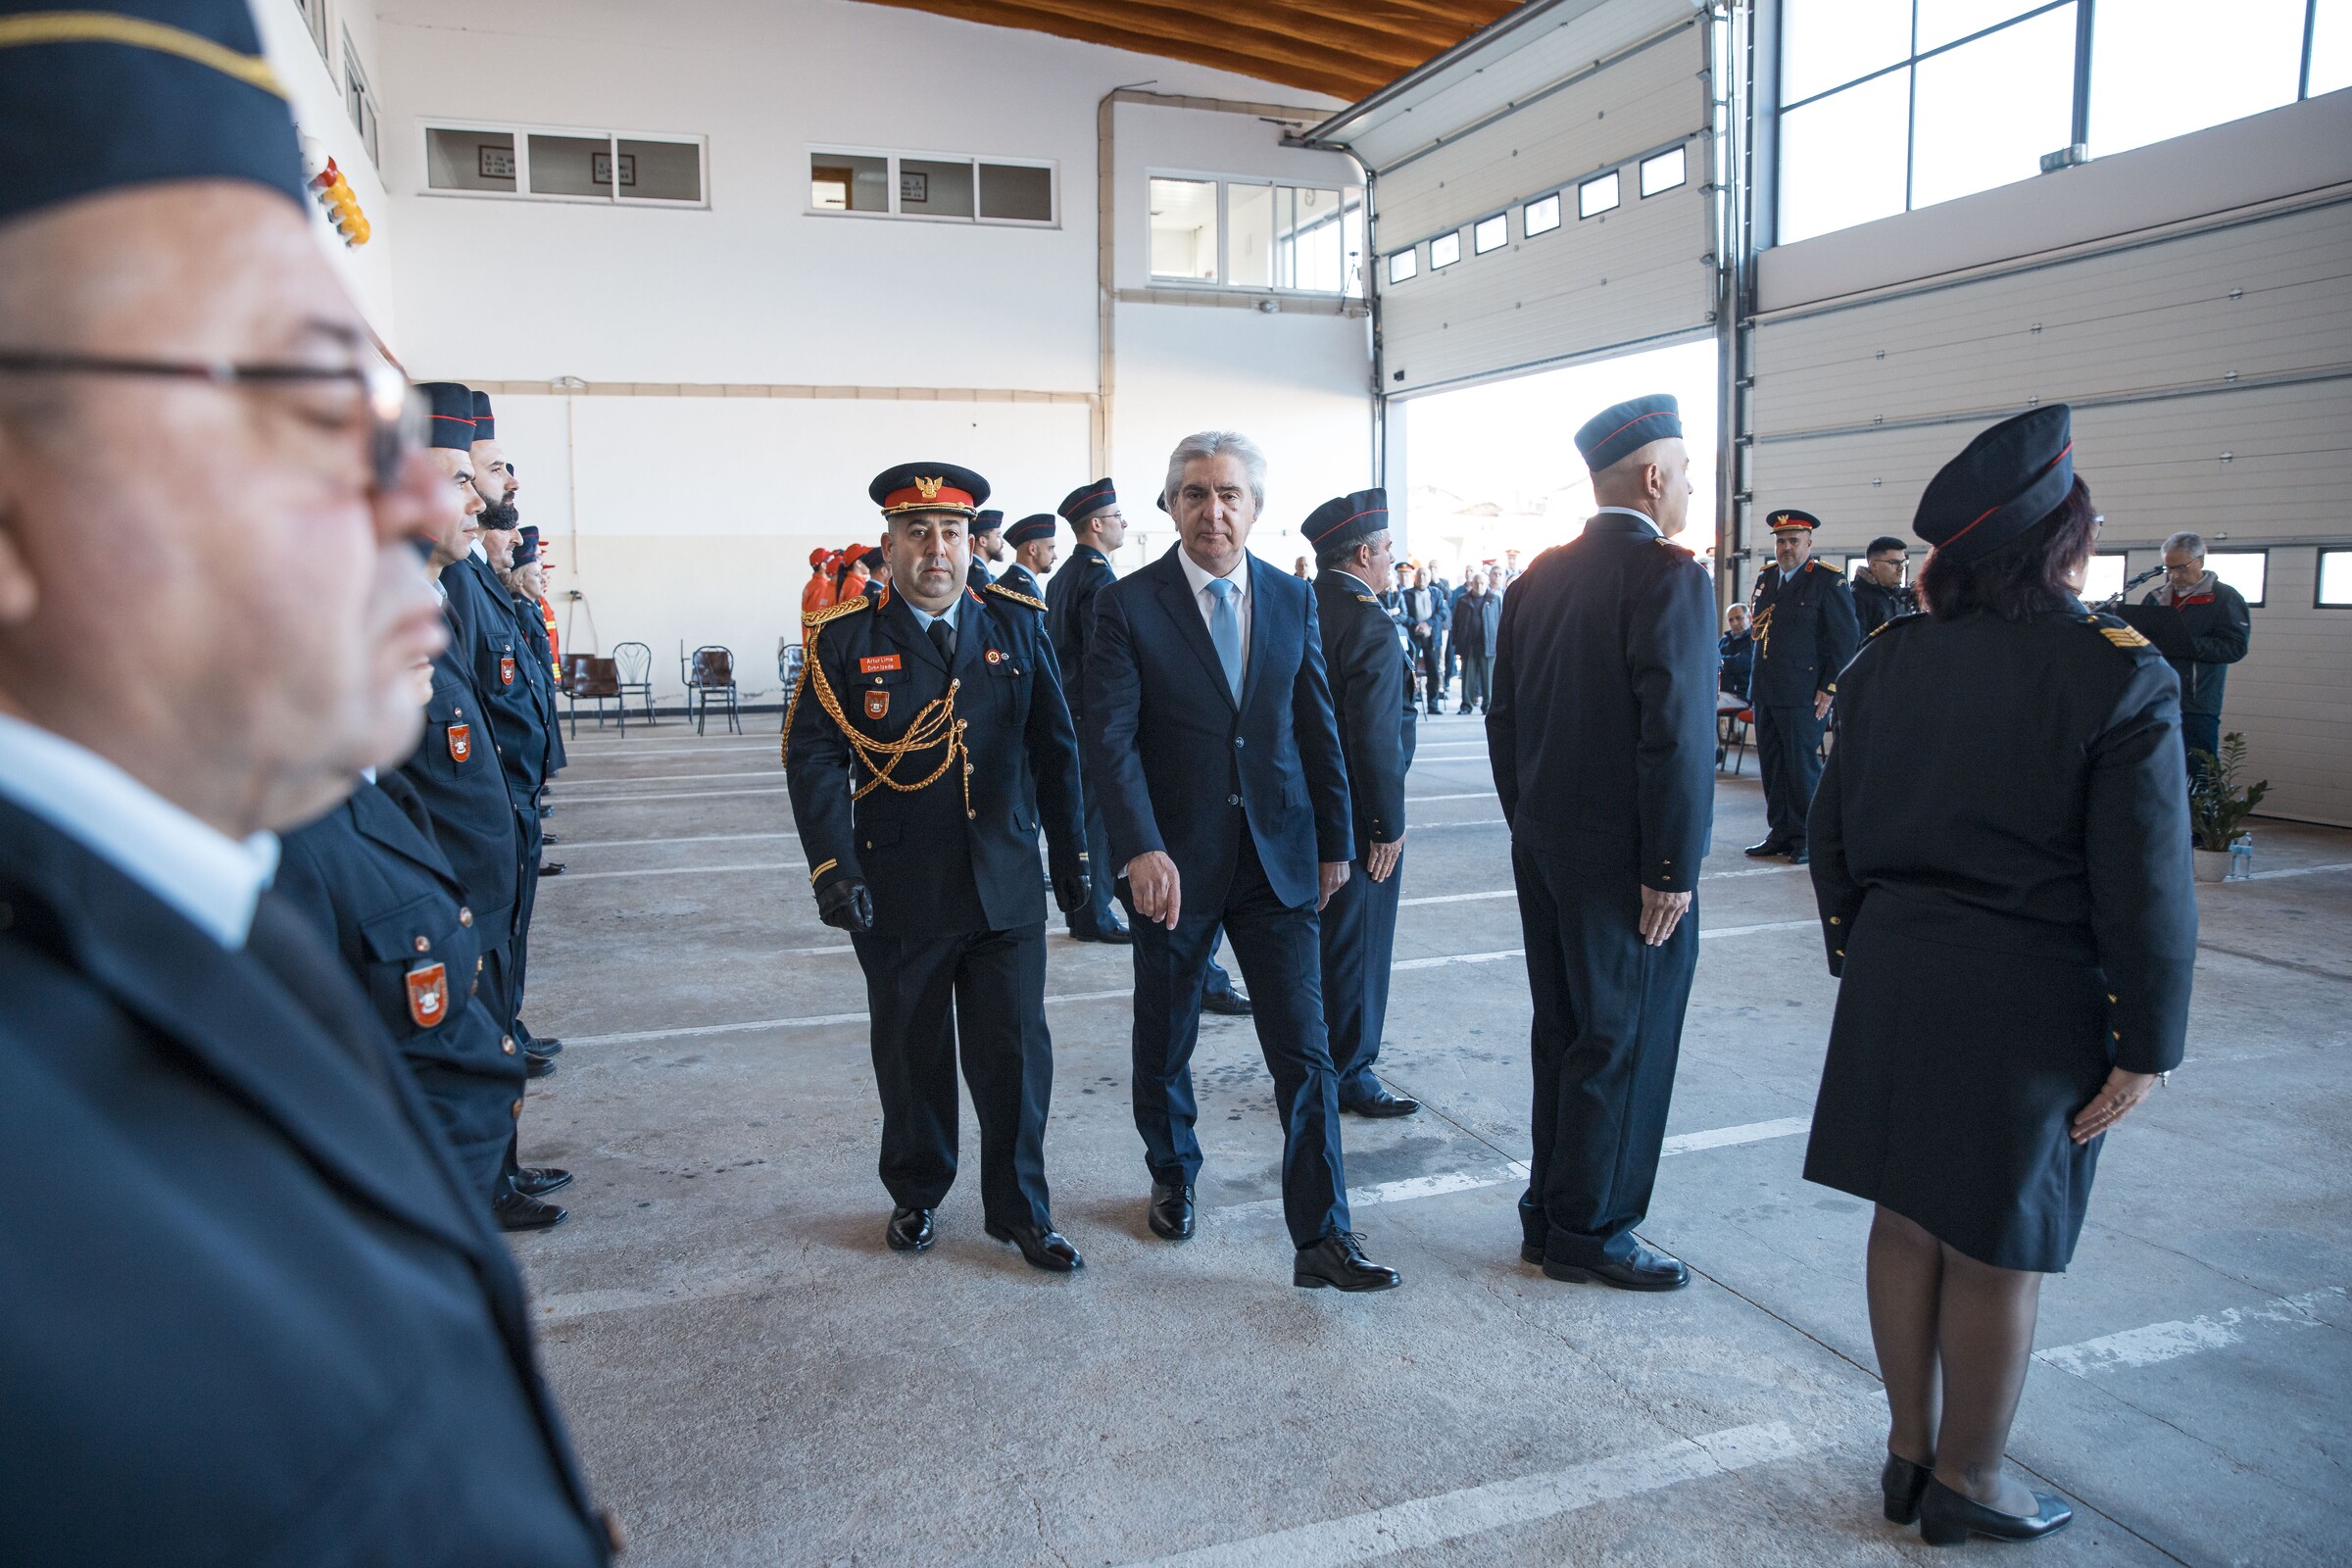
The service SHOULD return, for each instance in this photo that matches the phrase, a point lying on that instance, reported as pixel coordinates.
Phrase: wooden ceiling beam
(1243, 22)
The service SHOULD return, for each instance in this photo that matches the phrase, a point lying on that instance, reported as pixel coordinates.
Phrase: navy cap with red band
(1343, 520)
(1037, 525)
(1086, 500)
(2002, 483)
(1619, 431)
(452, 423)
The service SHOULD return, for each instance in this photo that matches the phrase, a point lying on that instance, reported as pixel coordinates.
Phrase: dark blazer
(1158, 713)
(458, 774)
(510, 669)
(1875, 607)
(1805, 632)
(875, 667)
(252, 1314)
(1070, 616)
(1736, 653)
(1370, 694)
(544, 676)
(2202, 636)
(1018, 578)
(1601, 726)
(376, 886)
(1477, 620)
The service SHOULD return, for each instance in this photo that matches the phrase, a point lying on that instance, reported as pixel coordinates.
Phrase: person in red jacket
(818, 594)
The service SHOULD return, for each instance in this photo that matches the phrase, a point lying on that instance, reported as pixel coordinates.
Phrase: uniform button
(464, 917)
(971, 817)
(1834, 920)
(1232, 800)
(425, 944)
(1237, 740)
(506, 1043)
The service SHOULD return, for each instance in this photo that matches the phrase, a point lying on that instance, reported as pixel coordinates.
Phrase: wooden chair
(712, 673)
(635, 661)
(598, 680)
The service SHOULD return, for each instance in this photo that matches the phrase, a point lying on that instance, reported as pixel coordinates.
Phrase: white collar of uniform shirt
(203, 873)
(924, 618)
(1633, 511)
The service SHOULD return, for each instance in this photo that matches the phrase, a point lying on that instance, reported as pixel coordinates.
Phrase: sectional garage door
(2211, 371)
(1571, 97)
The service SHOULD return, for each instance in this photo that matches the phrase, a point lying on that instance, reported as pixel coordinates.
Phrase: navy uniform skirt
(1953, 1076)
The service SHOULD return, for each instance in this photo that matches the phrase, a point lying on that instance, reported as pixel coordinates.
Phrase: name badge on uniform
(877, 704)
(506, 669)
(460, 743)
(429, 995)
(876, 663)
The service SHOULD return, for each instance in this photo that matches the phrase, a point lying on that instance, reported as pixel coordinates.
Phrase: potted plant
(2219, 805)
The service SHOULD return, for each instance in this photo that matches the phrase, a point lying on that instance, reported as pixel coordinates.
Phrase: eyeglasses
(397, 414)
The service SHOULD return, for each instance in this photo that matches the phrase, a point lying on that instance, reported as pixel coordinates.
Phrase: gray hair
(1218, 444)
(1334, 557)
(2192, 542)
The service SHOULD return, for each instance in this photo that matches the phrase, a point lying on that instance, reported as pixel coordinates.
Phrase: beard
(505, 514)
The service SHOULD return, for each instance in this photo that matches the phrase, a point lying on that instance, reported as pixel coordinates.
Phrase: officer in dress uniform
(1032, 542)
(538, 618)
(1094, 516)
(539, 668)
(1602, 735)
(1371, 695)
(252, 1311)
(926, 741)
(988, 546)
(1802, 619)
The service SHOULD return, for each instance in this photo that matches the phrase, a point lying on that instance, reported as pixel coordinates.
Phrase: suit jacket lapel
(1176, 597)
(1259, 604)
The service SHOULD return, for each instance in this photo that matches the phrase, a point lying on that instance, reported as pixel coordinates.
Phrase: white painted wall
(692, 518)
(315, 90)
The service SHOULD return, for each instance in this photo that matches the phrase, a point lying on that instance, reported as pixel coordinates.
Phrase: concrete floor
(754, 1378)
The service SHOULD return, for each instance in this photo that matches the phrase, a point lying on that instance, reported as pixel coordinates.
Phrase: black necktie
(943, 638)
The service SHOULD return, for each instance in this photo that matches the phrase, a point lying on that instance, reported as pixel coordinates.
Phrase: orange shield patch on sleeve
(461, 742)
(429, 995)
(877, 705)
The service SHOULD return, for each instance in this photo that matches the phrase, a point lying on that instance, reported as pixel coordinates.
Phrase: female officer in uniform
(1997, 854)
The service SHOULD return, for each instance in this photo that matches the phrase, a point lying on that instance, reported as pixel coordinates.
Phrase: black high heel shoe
(1902, 1482)
(1948, 1519)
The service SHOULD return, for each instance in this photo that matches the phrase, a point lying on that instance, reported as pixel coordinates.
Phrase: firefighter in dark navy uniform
(1371, 697)
(1025, 536)
(1802, 619)
(2004, 892)
(926, 744)
(1094, 516)
(988, 543)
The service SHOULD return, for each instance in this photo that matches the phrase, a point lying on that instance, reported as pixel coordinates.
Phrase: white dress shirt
(1633, 513)
(1201, 578)
(194, 867)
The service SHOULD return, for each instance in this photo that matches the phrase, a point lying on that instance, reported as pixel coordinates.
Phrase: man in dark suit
(1032, 542)
(1094, 516)
(252, 1311)
(1802, 616)
(926, 741)
(1477, 616)
(1210, 653)
(1371, 700)
(1602, 736)
(1880, 592)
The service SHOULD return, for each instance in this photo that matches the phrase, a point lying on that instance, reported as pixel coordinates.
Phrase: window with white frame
(359, 99)
(1887, 106)
(1446, 250)
(1664, 172)
(2246, 570)
(1491, 233)
(1404, 265)
(1598, 195)
(1540, 217)
(1239, 233)
(532, 164)
(2334, 591)
(313, 16)
(954, 187)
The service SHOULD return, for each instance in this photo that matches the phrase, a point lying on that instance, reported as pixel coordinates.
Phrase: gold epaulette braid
(935, 724)
(812, 619)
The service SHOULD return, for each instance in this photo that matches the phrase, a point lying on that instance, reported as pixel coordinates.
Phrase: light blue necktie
(1225, 630)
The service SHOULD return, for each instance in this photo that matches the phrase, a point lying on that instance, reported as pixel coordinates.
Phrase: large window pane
(2165, 68)
(660, 171)
(1940, 21)
(1310, 243)
(1841, 159)
(1988, 111)
(846, 182)
(1352, 244)
(1022, 192)
(1826, 42)
(572, 166)
(1597, 196)
(933, 189)
(1542, 216)
(1249, 235)
(2104, 578)
(2246, 570)
(469, 160)
(1183, 230)
(2331, 47)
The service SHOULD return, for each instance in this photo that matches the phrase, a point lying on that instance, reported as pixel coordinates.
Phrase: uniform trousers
(1097, 916)
(1478, 679)
(526, 898)
(985, 991)
(1279, 950)
(1608, 1028)
(1358, 944)
(1788, 754)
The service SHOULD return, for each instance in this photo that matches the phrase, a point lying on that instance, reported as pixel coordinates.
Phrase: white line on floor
(2169, 1342)
(1460, 898)
(1521, 953)
(684, 871)
(686, 778)
(669, 795)
(1429, 1521)
(2298, 870)
(1473, 795)
(1754, 1132)
(1481, 821)
(702, 838)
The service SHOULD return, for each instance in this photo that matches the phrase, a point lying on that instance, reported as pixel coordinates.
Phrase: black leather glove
(1072, 890)
(846, 905)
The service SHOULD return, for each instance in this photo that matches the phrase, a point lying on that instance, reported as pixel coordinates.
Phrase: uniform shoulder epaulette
(1684, 549)
(848, 607)
(1368, 599)
(1016, 596)
(2118, 631)
(1898, 620)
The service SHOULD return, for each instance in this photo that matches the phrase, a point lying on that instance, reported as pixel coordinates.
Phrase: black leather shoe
(1381, 1104)
(536, 1045)
(1796, 854)
(910, 1230)
(537, 1066)
(1948, 1519)
(1338, 1262)
(1902, 1482)
(1114, 934)
(1171, 1211)
(1646, 1270)
(519, 1211)
(551, 867)
(1770, 848)
(1530, 1252)
(1044, 1249)
(1226, 1004)
(537, 1181)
